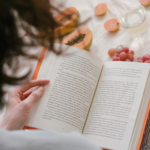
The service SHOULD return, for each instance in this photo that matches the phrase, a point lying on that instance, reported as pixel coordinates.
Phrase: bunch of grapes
(144, 59)
(121, 54)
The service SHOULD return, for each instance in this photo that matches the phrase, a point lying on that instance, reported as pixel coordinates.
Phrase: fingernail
(41, 89)
(48, 81)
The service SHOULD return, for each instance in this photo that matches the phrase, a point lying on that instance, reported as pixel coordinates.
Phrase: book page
(116, 104)
(73, 78)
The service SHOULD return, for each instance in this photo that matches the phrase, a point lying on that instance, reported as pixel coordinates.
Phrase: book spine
(143, 128)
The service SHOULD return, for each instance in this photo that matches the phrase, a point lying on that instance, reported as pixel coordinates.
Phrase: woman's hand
(19, 104)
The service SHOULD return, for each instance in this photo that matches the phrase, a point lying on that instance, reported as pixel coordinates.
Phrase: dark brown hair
(36, 19)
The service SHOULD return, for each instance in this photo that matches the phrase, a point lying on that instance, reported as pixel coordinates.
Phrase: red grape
(139, 60)
(146, 57)
(111, 52)
(123, 56)
(130, 57)
(128, 60)
(131, 52)
(116, 54)
(147, 61)
(125, 49)
(115, 58)
(117, 50)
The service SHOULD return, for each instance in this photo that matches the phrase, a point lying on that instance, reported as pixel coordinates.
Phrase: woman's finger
(27, 93)
(23, 88)
(35, 95)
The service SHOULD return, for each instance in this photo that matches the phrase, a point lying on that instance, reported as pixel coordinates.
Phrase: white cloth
(102, 39)
(102, 42)
(43, 140)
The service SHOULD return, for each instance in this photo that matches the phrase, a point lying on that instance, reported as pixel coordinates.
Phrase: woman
(35, 18)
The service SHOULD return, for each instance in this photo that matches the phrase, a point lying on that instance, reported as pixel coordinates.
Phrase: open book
(106, 102)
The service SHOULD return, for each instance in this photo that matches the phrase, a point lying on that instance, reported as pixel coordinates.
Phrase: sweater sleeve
(44, 140)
